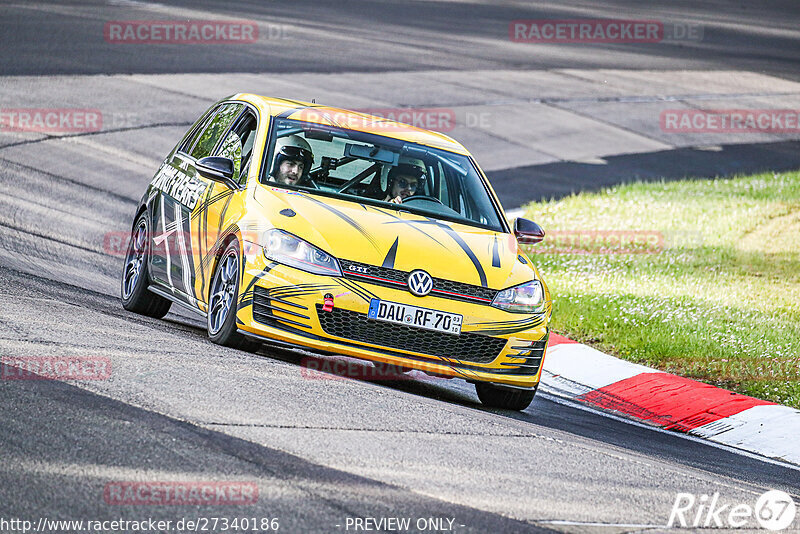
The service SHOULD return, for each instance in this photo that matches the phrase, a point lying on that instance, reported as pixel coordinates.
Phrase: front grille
(265, 306)
(531, 356)
(358, 327)
(395, 278)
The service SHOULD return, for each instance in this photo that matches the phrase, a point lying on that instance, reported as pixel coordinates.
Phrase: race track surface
(179, 408)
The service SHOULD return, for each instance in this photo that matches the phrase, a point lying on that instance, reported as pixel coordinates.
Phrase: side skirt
(161, 292)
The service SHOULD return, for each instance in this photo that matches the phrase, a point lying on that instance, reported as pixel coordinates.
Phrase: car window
(370, 168)
(215, 129)
(198, 127)
(238, 145)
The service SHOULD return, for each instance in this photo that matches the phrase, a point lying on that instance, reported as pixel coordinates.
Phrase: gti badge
(358, 269)
(420, 283)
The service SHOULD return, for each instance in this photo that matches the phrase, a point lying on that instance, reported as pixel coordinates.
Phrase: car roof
(351, 120)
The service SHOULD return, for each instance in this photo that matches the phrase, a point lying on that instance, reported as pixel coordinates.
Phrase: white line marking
(591, 524)
(166, 241)
(183, 252)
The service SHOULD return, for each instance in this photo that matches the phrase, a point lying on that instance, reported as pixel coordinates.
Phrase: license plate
(394, 312)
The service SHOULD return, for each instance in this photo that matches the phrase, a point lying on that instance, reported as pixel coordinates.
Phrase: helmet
(409, 167)
(295, 148)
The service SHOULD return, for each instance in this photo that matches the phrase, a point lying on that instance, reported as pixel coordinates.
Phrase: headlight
(525, 298)
(285, 248)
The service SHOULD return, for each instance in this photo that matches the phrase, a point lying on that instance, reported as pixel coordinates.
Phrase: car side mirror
(218, 169)
(527, 232)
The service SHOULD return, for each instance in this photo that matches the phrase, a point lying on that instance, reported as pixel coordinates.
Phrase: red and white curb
(671, 402)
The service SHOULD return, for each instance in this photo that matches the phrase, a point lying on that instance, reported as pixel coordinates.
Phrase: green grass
(714, 297)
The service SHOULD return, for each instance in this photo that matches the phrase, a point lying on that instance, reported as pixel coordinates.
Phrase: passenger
(404, 181)
(292, 161)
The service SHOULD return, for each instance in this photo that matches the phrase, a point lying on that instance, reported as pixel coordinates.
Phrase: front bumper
(281, 303)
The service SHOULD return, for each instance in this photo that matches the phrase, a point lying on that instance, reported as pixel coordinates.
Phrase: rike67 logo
(774, 510)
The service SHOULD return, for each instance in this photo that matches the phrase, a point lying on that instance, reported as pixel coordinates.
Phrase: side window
(211, 134)
(199, 126)
(238, 145)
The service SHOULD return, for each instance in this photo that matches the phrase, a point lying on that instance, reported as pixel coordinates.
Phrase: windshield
(378, 170)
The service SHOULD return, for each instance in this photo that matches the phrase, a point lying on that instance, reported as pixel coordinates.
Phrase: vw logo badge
(420, 283)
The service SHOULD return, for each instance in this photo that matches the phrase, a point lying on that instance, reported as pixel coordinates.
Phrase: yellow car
(288, 222)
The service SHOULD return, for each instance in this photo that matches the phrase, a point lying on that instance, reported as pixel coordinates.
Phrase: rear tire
(503, 397)
(135, 276)
(223, 301)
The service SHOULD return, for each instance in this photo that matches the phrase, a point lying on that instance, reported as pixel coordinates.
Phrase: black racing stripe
(388, 261)
(201, 241)
(413, 224)
(358, 290)
(304, 288)
(495, 254)
(212, 253)
(291, 295)
(222, 218)
(508, 323)
(187, 229)
(256, 278)
(508, 330)
(349, 220)
(457, 238)
(289, 112)
(465, 247)
(203, 214)
(365, 290)
(355, 289)
(204, 210)
(299, 293)
(206, 203)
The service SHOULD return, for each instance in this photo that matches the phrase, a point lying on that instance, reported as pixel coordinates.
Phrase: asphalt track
(178, 408)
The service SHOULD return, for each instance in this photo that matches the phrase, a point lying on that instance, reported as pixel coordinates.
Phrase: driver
(404, 180)
(293, 160)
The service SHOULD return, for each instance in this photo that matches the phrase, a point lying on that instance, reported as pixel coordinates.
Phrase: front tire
(223, 301)
(135, 277)
(503, 397)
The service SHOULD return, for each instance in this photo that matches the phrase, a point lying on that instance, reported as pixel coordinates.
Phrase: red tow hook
(328, 305)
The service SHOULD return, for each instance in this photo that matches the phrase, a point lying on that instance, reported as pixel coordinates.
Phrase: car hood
(396, 239)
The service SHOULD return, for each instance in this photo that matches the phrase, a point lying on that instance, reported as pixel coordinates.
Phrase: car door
(182, 194)
(224, 205)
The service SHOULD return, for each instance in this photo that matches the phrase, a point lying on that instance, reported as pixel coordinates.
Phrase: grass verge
(699, 278)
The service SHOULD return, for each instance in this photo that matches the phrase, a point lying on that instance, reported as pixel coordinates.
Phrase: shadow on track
(557, 180)
(546, 411)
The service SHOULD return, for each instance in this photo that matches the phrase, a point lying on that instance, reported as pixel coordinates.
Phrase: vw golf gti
(294, 223)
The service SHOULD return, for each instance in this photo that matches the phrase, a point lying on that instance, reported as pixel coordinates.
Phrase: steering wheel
(422, 197)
